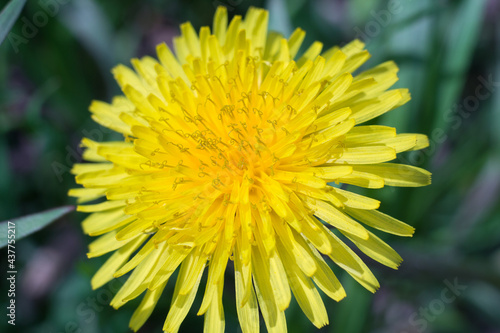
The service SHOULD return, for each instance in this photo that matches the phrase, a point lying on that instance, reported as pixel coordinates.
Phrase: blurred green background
(449, 56)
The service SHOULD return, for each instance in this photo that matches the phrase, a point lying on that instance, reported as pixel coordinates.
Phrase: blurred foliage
(26, 225)
(449, 56)
(8, 16)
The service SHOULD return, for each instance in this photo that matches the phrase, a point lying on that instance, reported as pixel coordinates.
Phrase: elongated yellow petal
(103, 222)
(108, 269)
(248, 311)
(367, 134)
(86, 194)
(332, 172)
(329, 120)
(293, 243)
(326, 280)
(381, 221)
(295, 40)
(370, 109)
(175, 258)
(104, 206)
(422, 142)
(135, 282)
(363, 155)
(180, 303)
(354, 200)
(311, 53)
(109, 116)
(333, 216)
(273, 316)
(398, 174)
(214, 319)
(79, 169)
(196, 263)
(138, 258)
(348, 260)
(362, 179)
(144, 310)
(299, 177)
(279, 282)
(306, 294)
(106, 243)
(216, 273)
(377, 249)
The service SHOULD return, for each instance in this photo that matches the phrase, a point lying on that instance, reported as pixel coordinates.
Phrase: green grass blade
(29, 224)
(279, 18)
(8, 17)
(352, 313)
(461, 41)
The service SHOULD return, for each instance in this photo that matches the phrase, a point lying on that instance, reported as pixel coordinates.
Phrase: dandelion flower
(232, 148)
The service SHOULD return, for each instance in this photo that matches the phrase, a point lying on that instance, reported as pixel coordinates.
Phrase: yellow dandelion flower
(229, 148)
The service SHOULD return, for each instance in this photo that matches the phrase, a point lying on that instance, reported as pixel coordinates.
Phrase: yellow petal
(343, 256)
(362, 155)
(362, 179)
(294, 243)
(279, 282)
(326, 280)
(144, 310)
(169, 61)
(329, 119)
(218, 265)
(398, 174)
(248, 312)
(336, 218)
(330, 134)
(106, 243)
(422, 142)
(295, 41)
(381, 221)
(86, 194)
(175, 255)
(135, 285)
(310, 54)
(81, 168)
(306, 294)
(273, 316)
(355, 61)
(138, 258)
(106, 271)
(300, 178)
(109, 116)
(367, 134)
(377, 249)
(354, 200)
(400, 143)
(214, 318)
(332, 172)
(220, 23)
(372, 108)
(181, 304)
(99, 223)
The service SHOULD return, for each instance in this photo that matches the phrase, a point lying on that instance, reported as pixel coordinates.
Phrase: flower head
(228, 152)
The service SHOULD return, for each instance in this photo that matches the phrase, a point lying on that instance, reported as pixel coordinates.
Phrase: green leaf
(352, 313)
(29, 224)
(463, 35)
(279, 18)
(8, 17)
(295, 7)
(359, 11)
